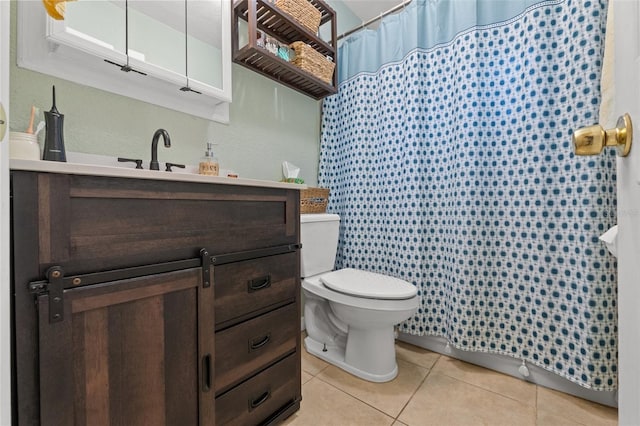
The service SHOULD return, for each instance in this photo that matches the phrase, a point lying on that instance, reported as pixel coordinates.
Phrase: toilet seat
(369, 285)
(316, 286)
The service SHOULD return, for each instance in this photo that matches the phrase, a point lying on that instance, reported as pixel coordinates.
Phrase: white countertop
(125, 172)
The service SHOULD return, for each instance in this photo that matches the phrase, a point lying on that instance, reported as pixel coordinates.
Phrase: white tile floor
(432, 389)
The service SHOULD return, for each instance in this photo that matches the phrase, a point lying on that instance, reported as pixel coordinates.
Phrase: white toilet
(349, 314)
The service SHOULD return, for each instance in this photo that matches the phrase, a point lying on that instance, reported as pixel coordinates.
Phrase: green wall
(346, 19)
(269, 123)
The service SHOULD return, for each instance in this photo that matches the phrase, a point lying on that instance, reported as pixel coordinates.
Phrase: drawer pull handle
(206, 373)
(259, 283)
(255, 403)
(257, 343)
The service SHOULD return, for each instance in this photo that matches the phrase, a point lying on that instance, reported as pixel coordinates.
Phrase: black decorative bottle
(54, 139)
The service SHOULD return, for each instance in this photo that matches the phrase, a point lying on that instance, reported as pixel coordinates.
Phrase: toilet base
(335, 355)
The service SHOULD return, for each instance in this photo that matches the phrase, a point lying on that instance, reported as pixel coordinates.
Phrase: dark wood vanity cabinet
(153, 302)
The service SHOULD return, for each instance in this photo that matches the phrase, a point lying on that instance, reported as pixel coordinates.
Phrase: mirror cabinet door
(157, 40)
(94, 26)
(205, 43)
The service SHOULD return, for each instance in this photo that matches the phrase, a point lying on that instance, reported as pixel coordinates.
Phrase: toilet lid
(368, 284)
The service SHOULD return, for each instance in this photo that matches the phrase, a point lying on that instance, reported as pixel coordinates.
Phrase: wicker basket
(303, 12)
(312, 61)
(314, 200)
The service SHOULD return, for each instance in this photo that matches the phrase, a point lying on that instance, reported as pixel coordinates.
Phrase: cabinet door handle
(206, 373)
(259, 283)
(257, 343)
(255, 403)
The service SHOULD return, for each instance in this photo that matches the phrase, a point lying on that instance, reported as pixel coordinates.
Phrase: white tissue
(610, 239)
(290, 170)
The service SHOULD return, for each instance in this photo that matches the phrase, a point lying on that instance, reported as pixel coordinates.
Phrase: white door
(627, 72)
(5, 356)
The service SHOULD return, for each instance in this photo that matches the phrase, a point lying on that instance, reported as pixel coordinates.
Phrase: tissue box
(314, 200)
(299, 181)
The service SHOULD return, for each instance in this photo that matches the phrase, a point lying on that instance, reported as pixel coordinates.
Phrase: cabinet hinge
(54, 288)
(206, 265)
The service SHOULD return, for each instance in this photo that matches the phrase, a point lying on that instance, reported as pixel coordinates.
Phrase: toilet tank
(319, 238)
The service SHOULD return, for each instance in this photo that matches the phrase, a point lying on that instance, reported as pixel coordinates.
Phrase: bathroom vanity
(154, 298)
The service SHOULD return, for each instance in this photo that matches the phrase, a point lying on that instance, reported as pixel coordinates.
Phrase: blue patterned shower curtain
(448, 153)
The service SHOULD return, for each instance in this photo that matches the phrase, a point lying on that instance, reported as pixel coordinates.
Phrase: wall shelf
(266, 17)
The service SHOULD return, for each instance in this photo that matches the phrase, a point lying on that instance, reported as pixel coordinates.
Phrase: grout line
(487, 390)
(310, 373)
(302, 375)
(417, 389)
(376, 408)
(357, 399)
(444, 373)
(536, 402)
(558, 414)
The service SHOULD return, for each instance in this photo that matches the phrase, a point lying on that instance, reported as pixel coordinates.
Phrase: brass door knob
(3, 122)
(591, 140)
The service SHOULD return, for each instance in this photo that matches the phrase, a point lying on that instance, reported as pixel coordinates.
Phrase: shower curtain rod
(372, 20)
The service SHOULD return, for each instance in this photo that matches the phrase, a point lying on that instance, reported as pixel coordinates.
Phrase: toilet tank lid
(319, 217)
(368, 284)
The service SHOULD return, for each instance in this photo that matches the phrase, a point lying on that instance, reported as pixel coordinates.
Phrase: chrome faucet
(154, 165)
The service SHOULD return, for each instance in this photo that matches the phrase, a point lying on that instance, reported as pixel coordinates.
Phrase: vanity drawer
(262, 396)
(251, 285)
(248, 347)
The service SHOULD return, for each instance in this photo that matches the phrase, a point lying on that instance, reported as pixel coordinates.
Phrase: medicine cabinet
(172, 53)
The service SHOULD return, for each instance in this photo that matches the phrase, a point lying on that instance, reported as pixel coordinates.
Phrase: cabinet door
(130, 352)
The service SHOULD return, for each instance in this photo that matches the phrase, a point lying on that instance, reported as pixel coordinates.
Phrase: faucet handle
(131, 160)
(169, 165)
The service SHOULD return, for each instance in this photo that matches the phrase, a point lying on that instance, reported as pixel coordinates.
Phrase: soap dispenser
(54, 141)
(209, 163)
